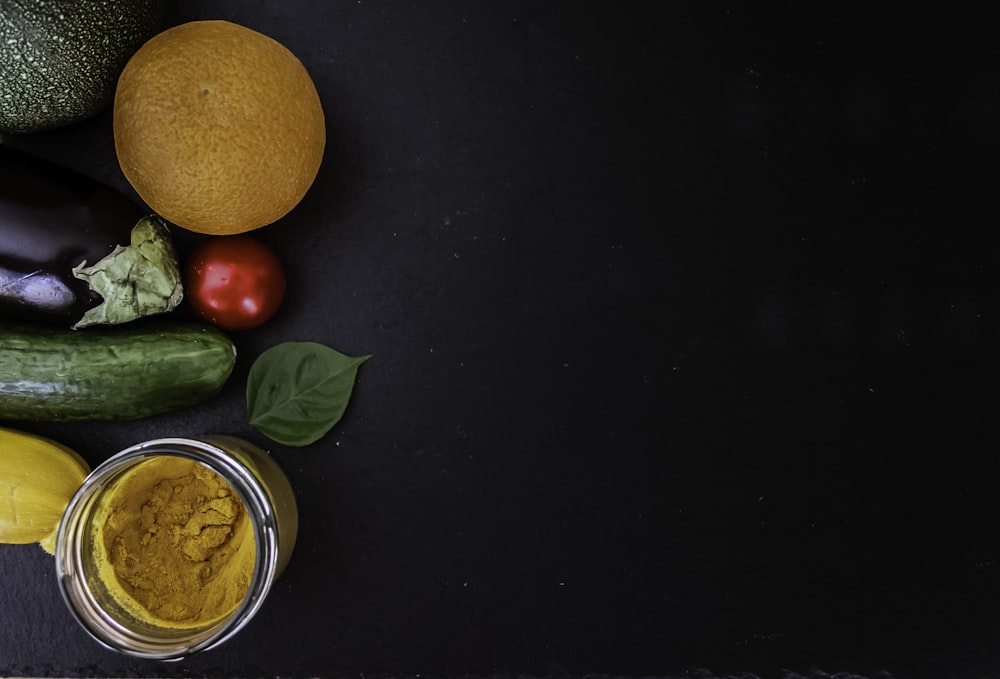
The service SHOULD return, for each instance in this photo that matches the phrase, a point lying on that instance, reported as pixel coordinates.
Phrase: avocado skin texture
(61, 58)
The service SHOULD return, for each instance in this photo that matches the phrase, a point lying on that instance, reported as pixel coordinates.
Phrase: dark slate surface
(684, 327)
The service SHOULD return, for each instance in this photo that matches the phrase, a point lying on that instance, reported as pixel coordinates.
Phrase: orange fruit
(217, 127)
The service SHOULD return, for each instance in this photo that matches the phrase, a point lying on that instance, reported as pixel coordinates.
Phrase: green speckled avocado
(60, 59)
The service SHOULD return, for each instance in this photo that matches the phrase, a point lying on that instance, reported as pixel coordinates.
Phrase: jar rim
(111, 632)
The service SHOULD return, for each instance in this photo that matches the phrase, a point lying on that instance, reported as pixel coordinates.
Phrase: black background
(684, 326)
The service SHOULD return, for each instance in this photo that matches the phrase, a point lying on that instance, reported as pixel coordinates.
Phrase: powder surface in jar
(176, 548)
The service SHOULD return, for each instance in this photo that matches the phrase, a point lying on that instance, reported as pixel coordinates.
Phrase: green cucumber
(117, 373)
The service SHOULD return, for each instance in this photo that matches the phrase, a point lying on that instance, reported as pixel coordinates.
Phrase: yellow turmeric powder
(175, 548)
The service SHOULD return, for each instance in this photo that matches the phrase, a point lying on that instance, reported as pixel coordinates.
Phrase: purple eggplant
(76, 252)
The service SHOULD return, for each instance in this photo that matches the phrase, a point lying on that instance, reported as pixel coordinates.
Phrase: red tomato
(234, 282)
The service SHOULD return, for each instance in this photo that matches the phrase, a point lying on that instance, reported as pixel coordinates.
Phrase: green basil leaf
(297, 391)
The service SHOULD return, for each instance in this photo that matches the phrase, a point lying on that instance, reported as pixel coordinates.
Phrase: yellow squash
(38, 477)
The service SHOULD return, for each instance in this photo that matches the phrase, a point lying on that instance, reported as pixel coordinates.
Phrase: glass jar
(273, 522)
